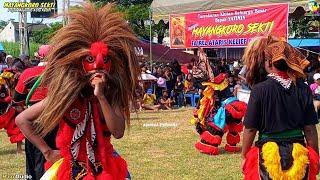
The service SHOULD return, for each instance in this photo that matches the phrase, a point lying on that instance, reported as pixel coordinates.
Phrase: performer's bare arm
(24, 121)
(113, 116)
(248, 138)
(311, 134)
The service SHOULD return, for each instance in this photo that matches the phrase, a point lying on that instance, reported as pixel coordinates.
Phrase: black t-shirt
(273, 109)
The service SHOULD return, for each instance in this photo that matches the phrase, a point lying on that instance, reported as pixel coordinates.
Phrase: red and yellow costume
(212, 123)
(8, 112)
(90, 153)
(94, 42)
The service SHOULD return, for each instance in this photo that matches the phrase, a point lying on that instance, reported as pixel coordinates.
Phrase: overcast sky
(5, 15)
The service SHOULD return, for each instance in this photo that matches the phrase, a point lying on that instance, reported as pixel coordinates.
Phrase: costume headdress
(64, 75)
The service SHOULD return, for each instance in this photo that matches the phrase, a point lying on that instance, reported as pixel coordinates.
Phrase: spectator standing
(179, 87)
(169, 80)
(315, 88)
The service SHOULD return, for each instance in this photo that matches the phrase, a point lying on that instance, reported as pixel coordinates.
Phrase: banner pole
(150, 56)
(226, 54)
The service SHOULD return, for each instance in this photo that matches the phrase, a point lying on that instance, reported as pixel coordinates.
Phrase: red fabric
(237, 109)
(211, 139)
(7, 121)
(251, 167)
(220, 78)
(234, 127)
(214, 126)
(284, 75)
(233, 139)
(314, 163)
(7, 99)
(231, 149)
(207, 149)
(184, 69)
(113, 167)
(40, 93)
(47, 165)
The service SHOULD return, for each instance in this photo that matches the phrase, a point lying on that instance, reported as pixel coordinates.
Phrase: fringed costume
(94, 41)
(8, 112)
(279, 108)
(212, 123)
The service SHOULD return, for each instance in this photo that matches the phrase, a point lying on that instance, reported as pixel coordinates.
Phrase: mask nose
(99, 64)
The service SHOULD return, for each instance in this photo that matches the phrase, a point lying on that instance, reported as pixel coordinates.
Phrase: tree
(137, 14)
(43, 36)
(3, 24)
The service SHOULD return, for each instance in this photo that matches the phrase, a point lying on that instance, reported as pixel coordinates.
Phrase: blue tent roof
(1, 47)
(304, 42)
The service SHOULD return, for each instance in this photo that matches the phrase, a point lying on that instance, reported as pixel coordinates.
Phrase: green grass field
(159, 145)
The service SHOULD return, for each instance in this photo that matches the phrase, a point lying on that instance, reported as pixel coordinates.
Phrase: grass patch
(159, 145)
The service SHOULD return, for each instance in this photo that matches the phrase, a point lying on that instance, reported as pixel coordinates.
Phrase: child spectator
(149, 100)
(165, 101)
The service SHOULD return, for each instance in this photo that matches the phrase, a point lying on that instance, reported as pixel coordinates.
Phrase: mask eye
(89, 59)
(105, 59)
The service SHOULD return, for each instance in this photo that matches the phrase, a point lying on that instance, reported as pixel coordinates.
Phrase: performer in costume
(213, 122)
(7, 83)
(34, 159)
(91, 76)
(281, 110)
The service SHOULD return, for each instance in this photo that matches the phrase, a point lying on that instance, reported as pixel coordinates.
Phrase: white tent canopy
(161, 9)
(147, 77)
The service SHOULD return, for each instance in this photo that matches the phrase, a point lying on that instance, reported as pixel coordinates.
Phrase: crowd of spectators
(172, 83)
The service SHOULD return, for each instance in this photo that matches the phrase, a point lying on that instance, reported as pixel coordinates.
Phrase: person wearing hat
(281, 109)
(149, 101)
(9, 60)
(315, 88)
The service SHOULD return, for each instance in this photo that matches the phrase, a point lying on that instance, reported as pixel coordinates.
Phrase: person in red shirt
(34, 159)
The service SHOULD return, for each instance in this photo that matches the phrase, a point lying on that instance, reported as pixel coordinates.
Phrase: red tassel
(234, 127)
(219, 78)
(314, 163)
(232, 149)
(237, 109)
(47, 165)
(64, 171)
(251, 167)
(16, 138)
(89, 177)
(233, 139)
(211, 139)
(104, 176)
(207, 149)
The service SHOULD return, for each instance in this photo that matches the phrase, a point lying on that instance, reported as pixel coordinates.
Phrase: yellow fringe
(208, 95)
(52, 172)
(271, 157)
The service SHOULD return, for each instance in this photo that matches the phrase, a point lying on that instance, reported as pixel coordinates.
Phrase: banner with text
(228, 28)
